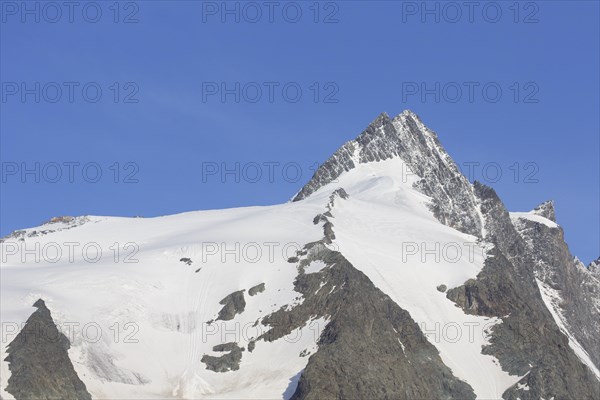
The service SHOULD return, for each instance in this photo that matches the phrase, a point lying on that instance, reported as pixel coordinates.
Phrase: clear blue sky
(372, 59)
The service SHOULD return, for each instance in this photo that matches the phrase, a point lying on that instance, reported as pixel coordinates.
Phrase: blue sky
(135, 93)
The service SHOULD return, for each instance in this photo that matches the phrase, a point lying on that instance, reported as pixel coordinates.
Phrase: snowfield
(138, 316)
(138, 329)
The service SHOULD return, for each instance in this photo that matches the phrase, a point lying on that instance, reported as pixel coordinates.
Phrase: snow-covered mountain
(389, 275)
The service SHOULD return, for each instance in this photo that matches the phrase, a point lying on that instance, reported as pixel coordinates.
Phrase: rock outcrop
(528, 342)
(227, 362)
(39, 361)
(233, 304)
(571, 289)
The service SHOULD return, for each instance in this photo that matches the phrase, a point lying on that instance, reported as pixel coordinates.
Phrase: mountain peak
(383, 119)
(407, 113)
(380, 120)
(594, 266)
(546, 210)
(407, 138)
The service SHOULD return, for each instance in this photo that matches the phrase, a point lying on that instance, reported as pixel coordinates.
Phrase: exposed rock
(370, 348)
(406, 137)
(256, 289)
(304, 353)
(68, 221)
(546, 210)
(233, 304)
(63, 223)
(594, 266)
(226, 362)
(19, 234)
(39, 361)
(337, 193)
(329, 235)
(577, 290)
(64, 219)
(442, 288)
(319, 218)
(528, 341)
(186, 260)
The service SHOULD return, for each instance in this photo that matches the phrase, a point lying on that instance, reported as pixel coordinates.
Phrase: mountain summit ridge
(405, 136)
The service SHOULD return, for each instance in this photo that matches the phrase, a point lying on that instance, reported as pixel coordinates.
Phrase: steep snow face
(407, 138)
(532, 216)
(387, 230)
(552, 299)
(138, 324)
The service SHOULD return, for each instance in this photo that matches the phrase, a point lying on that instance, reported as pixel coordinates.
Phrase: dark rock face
(546, 210)
(406, 137)
(64, 219)
(370, 349)
(232, 304)
(558, 271)
(187, 261)
(19, 235)
(68, 222)
(256, 289)
(39, 361)
(594, 266)
(337, 193)
(528, 341)
(226, 362)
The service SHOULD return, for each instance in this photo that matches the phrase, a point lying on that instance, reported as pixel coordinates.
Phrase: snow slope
(386, 230)
(153, 313)
(160, 305)
(532, 216)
